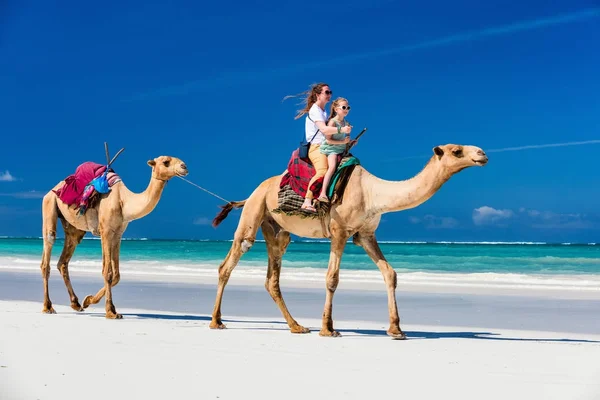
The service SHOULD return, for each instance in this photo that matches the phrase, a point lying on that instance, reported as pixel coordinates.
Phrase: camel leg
(338, 242)
(277, 242)
(73, 237)
(49, 220)
(369, 243)
(243, 239)
(111, 246)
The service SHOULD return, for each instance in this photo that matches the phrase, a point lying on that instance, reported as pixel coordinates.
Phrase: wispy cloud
(238, 77)
(7, 177)
(12, 212)
(433, 222)
(551, 220)
(543, 146)
(517, 148)
(32, 194)
(202, 221)
(536, 219)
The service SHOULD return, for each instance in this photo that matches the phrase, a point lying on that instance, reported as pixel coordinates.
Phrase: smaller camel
(108, 219)
(366, 197)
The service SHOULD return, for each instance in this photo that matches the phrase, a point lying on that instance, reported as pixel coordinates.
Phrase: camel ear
(437, 150)
(151, 163)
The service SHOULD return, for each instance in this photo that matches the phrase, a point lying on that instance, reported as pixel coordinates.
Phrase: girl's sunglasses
(345, 108)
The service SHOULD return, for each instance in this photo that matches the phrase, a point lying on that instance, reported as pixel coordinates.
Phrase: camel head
(165, 167)
(455, 157)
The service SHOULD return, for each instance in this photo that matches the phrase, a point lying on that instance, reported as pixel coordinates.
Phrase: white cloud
(489, 216)
(202, 221)
(7, 177)
(32, 194)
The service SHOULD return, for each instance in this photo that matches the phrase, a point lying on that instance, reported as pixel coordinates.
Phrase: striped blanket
(294, 184)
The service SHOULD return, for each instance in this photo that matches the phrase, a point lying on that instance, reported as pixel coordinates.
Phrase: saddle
(81, 187)
(294, 185)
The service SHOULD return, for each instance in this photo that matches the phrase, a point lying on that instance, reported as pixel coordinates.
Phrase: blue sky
(204, 82)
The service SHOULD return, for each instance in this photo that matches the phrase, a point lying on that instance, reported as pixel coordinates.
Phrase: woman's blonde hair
(310, 97)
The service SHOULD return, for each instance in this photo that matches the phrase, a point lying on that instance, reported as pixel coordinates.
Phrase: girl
(335, 143)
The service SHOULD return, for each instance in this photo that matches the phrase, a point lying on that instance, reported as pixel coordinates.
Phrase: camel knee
(332, 282)
(246, 245)
(272, 287)
(51, 237)
(108, 277)
(116, 279)
(391, 277)
(224, 273)
(63, 268)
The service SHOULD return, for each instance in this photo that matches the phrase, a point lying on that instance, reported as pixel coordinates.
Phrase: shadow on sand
(413, 335)
(462, 335)
(202, 318)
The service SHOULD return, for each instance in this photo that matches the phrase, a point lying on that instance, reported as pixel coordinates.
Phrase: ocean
(511, 265)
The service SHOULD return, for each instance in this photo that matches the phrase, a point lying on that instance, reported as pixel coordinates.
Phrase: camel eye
(457, 152)
(166, 163)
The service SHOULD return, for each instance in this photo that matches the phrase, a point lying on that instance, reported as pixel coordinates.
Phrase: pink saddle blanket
(73, 189)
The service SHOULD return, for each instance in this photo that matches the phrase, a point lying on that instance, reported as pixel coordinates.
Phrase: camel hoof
(397, 336)
(87, 301)
(217, 325)
(48, 310)
(76, 306)
(112, 315)
(299, 329)
(329, 333)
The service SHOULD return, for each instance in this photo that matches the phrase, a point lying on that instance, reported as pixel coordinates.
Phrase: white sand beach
(466, 345)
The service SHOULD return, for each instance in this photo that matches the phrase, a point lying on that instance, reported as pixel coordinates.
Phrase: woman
(317, 98)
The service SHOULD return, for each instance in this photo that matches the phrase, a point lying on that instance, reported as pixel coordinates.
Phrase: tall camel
(365, 199)
(109, 218)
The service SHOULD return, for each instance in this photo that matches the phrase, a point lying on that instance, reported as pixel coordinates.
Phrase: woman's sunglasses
(345, 108)
(328, 92)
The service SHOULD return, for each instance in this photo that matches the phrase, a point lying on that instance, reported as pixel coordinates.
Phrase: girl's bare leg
(331, 166)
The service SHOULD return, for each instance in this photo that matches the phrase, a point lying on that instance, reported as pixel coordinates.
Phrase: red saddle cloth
(298, 175)
(72, 191)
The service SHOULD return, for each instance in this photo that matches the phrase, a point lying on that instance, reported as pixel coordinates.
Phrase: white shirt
(316, 114)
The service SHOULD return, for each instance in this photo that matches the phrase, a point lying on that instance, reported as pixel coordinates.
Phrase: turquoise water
(478, 263)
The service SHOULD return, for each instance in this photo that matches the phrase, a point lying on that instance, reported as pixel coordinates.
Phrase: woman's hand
(346, 129)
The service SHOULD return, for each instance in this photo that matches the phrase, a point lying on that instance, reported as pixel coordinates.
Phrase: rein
(200, 187)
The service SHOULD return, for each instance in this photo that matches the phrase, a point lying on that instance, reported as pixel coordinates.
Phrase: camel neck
(138, 205)
(389, 196)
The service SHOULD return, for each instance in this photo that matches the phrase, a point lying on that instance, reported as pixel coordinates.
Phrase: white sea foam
(257, 270)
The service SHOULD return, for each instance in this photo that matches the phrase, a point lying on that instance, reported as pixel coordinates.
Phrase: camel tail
(225, 211)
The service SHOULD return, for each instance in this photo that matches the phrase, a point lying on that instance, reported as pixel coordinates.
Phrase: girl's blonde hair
(334, 105)
(310, 97)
